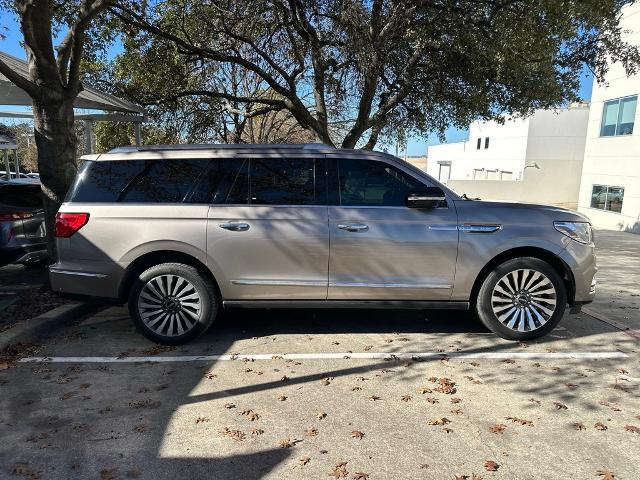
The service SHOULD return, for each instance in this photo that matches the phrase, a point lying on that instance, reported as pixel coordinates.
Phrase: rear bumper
(83, 283)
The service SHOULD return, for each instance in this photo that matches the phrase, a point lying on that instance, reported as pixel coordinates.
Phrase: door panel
(405, 253)
(283, 254)
(381, 249)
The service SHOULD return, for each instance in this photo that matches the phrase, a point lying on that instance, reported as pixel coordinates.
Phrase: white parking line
(333, 356)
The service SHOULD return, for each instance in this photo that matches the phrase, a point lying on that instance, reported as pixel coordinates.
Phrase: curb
(46, 325)
(620, 326)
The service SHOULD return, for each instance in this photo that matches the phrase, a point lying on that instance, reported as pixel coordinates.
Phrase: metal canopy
(89, 98)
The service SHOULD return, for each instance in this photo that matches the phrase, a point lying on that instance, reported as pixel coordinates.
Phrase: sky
(415, 146)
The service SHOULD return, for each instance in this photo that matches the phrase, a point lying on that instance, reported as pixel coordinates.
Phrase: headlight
(578, 231)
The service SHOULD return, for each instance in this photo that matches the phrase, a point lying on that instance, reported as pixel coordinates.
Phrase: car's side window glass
(371, 183)
(227, 181)
(283, 181)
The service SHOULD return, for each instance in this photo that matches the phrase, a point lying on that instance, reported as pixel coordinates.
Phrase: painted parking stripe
(332, 356)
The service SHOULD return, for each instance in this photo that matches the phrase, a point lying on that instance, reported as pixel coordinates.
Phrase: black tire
(204, 316)
(485, 305)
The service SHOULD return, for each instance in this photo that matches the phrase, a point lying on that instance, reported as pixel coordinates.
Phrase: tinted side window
(138, 181)
(283, 181)
(371, 183)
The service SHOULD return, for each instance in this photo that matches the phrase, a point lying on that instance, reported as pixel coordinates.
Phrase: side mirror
(429, 197)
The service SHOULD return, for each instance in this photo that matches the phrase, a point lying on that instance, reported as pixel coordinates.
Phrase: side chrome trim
(444, 228)
(77, 274)
(281, 283)
(392, 304)
(471, 228)
(390, 285)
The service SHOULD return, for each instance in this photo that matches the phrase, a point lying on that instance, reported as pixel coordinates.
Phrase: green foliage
(348, 70)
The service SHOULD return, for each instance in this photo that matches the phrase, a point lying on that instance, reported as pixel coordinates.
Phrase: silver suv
(181, 231)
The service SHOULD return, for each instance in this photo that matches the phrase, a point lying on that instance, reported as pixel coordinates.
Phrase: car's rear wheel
(172, 303)
(522, 299)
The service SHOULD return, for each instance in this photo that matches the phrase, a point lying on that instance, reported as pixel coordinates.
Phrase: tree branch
(31, 88)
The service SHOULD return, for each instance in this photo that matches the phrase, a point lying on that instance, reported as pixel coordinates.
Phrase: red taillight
(69, 223)
(8, 217)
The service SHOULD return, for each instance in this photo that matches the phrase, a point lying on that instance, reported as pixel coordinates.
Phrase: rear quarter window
(138, 181)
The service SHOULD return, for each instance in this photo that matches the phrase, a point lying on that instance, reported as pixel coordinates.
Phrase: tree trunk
(56, 141)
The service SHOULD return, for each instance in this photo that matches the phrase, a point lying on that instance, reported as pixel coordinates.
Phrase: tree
(353, 72)
(194, 118)
(53, 84)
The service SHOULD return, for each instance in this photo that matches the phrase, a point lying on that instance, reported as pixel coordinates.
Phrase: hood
(525, 211)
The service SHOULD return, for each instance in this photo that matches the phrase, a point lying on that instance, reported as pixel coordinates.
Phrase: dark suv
(22, 232)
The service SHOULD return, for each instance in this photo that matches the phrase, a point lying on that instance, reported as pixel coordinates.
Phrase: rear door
(267, 232)
(380, 248)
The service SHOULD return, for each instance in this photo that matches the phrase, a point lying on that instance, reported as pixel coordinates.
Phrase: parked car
(180, 232)
(22, 232)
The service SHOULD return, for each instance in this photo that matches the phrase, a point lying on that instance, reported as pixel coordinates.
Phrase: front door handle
(353, 227)
(235, 226)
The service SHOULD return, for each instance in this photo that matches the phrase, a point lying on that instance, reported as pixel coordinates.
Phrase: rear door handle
(353, 227)
(235, 226)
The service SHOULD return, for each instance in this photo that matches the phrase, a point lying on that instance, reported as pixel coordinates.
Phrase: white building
(534, 159)
(610, 187)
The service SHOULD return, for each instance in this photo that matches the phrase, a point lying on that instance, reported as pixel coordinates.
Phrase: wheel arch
(536, 252)
(156, 257)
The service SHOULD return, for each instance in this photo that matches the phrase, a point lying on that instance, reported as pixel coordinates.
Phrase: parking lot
(334, 394)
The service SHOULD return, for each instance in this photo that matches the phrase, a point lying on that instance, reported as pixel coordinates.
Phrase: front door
(380, 248)
(267, 232)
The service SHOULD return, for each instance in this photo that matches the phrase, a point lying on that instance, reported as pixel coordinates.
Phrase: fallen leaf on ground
(456, 400)
(457, 411)
(632, 429)
(432, 400)
(282, 398)
(579, 426)
(237, 435)
(446, 386)
(474, 364)
(257, 431)
(229, 406)
(560, 406)
(340, 470)
(605, 474)
(327, 380)
(286, 443)
(202, 419)
(106, 474)
(357, 434)
(406, 398)
(311, 432)
(374, 397)
(424, 390)
(250, 414)
(356, 389)
(491, 466)
(360, 476)
(533, 400)
(304, 460)
(498, 428)
(140, 428)
(521, 421)
(321, 415)
(447, 430)
(600, 426)
(438, 421)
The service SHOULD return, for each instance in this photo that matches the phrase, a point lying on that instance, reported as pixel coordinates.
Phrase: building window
(504, 175)
(478, 174)
(492, 174)
(618, 116)
(479, 144)
(486, 142)
(609, 198)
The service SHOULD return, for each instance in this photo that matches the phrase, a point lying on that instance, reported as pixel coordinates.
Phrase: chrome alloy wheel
(524, 300)
(169, 305)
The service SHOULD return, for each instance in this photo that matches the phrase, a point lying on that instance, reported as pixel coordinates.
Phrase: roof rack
(156, 148)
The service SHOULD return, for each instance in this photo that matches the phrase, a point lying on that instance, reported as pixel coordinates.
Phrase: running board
(397, 304)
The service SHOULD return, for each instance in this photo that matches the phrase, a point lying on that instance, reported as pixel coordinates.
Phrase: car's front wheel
(172, 303)
(522, 299)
